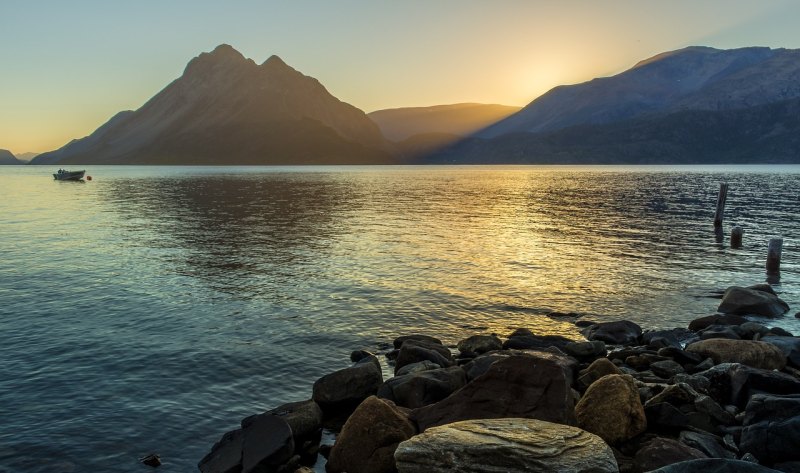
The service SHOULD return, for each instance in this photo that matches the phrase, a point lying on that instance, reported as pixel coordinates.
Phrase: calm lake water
(151, 308)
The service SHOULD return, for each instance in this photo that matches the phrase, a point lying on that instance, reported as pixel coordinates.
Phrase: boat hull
(69, 175)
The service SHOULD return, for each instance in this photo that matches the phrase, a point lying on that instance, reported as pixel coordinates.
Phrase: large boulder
(752, 300)
(305, 420)
(264, 443)
(341, 391)
(413, 351)
(504, 445)
(772, 428)
(424, 387)
(714, 465)
(267, 444)
(611, 409)
(621, 332)
(369, 438)
(661, 451)
(399, 341)
(536, 386)
(479, 344)
(225, 456)
(751, 353)
(717, 319)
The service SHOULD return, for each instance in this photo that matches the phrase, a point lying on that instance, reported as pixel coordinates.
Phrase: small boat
(64, 175)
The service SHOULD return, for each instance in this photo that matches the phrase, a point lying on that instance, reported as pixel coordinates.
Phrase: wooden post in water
(736, 237)
(774, 255)
(721, 198)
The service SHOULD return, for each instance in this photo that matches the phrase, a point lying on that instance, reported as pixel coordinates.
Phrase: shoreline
(636, 400)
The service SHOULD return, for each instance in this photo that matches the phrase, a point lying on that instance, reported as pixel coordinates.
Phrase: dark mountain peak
(275, 61)
(227, 109)
(6, 157)
(223, 56)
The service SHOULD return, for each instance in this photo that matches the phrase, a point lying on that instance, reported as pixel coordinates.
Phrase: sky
(66, 67)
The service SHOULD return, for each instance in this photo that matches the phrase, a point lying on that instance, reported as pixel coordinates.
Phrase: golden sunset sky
(67, 66)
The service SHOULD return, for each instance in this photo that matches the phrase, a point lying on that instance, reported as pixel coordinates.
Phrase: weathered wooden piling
(721, 198)
(774, 255)
(736, 237)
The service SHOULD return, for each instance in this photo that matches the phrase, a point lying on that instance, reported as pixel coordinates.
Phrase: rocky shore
(722, 395)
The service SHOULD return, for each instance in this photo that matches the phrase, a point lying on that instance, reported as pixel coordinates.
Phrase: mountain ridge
(226, 109)
(668, 82)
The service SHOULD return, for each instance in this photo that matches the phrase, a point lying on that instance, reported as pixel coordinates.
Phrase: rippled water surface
(151, 308)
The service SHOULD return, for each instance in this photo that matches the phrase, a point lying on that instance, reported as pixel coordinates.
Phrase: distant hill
(694, 78)
(694, 105)
(226, 109)
(762, 134)
(6, 157)
(461, 119)
(418, 131)
(25, 157)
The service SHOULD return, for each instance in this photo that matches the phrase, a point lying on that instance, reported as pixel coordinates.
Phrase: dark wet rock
(423, 388)
(534, 386)
(414, 351)
(663, 416)
(717, 319)
(661, 452)
(730, 332)
(479, 344)
(369, 438)
(708, 406)
(790, 346)
(424, 365)
(747, 352)
(697, 382)
(678, 395)
(625, 352)
(714, 465)
(505, 445)
(267, 444)
(599, 368)
(359, 355)
(225, 456)
(772, 428)
(341, 391)
(680, 355)
(780, 332)
(391, 355)
(398, 342)
(481, 364)
(611, 409)
(305, 420)
(733, 383)
(520, 341)
(745, 301)
(304, 417)
(622, 332)
(657, 339)
(708, 363)
(585, 351)
(153, 460)
(710, 445)
(751, 330)
(666, 368)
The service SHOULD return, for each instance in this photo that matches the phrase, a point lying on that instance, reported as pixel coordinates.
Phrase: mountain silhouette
(694, 105)
(226, 109)
(6, 157)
